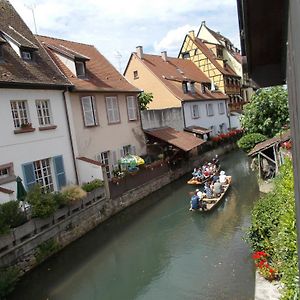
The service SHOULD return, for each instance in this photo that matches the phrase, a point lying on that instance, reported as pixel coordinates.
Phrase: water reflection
(158, 250)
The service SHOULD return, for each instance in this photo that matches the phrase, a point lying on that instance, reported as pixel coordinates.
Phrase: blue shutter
(28, 174)
(59, 171)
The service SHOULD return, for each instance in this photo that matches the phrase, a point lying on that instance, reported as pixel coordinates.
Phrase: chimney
(164, 55)
(192, 34)
(139, 51)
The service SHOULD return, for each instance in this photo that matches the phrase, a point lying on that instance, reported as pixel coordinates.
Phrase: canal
(158, 249)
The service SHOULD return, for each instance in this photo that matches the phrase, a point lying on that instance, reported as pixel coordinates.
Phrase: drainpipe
(70, 136)
(228, 114)
(182, 107)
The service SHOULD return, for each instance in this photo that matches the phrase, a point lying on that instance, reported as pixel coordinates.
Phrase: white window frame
(209, 109)
(20, 112)
(89, 110)
(131, 108)
(44, 112)
(195, 111)
(127, 149)
(7, 173)
(221, 108)
(43, 174)
(26, 55)
(112, 109)
(105, 159)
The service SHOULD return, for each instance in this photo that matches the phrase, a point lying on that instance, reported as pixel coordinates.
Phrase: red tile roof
(100, 73)
(41, 71)
(174, 71)
(180, 139)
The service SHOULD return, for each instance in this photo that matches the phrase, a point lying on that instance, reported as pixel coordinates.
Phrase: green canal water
(158, 249)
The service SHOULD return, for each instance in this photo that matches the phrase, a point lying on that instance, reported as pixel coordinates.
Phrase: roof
(100, 74)
(226, 70)
(197, 129)
(180, 139)
(90, 161)
(41, 71)
(270, 142)
(175, 71)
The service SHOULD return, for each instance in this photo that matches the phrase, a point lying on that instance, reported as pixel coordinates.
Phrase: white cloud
(119, 25)
(173, 40)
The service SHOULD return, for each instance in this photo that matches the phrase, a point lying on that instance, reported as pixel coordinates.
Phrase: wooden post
(275, 159)
(259, 167)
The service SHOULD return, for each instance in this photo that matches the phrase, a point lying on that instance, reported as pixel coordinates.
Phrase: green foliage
(10, 216)
(42, 205)
(92, 185)
(144, 99)
(248, 141)
(73, 193)
(273, 230)
(267, 112)
(46, 249)
(8, 279)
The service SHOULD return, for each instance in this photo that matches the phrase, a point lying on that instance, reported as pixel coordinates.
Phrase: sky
(116, 27)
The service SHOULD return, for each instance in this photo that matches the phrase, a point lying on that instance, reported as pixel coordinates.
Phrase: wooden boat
(212, 202)
(195, 181)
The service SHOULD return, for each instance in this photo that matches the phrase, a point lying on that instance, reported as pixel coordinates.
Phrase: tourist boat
(212, 202)
(195, 181)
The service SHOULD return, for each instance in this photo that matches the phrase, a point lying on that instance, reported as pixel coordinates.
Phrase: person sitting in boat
(216, 161)
(194, 202)
(215, 177)
(217, 189)
(195, 172)
(223, 178)
(199, 176)
(207, 190)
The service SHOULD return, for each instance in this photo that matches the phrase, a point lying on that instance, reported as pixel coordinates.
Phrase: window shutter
(122, 152)
(109, 109)
(95, 110)
(116, 110)
(59, 171)
(114, 158)
(131, 108)
(28, 173)
(88, 112)
(133, 150)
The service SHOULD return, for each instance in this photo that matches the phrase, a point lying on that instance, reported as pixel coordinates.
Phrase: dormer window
(188, 87)
(26, 55)
(186, 55)
(219, 52)
(80, 68)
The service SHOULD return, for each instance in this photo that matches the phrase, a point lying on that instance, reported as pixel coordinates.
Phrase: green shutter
(59, 171)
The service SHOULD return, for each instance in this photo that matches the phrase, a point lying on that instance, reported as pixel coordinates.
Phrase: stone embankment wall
(22, 246)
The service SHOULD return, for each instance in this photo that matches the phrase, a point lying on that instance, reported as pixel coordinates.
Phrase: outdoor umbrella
(21, 192)
(132, 160)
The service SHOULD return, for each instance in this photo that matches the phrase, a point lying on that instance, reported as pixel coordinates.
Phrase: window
(43, 176)
(43, 172)
(135, 74)
(184, 87)
(188, 86)
(105, 159)
(185, 55)
(19, 110)
(89, 111)
(7, 173)
(127, 149)
(80, 68)
(43, 112)
(131, 108)
(221, 108)
(219, 52)
(26, 55)
(112, 109)
(195, 111)
(209, 109)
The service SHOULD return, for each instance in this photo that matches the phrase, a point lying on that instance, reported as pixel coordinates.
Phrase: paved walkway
(265, 290)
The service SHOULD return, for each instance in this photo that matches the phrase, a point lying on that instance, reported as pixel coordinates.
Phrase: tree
(144, 100)
(267, 112)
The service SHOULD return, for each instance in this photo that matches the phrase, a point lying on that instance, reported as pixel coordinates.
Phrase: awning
(198, 130)
(270, 142)
(180, 139)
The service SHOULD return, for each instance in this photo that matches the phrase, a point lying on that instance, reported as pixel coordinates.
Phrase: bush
(247, 142)
(10, 216)
(42, 205)
(92, 185)
(73, 193)
(8, 279)
(273, 230)
(46, 249)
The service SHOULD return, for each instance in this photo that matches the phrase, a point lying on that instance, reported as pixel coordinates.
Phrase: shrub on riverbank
(248, 141)
(8, 279)
(273, 230)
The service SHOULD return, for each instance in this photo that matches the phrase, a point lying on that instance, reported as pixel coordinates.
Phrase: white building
(35, 142)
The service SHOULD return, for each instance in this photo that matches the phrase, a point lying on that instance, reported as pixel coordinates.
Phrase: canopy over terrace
(179, 139)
